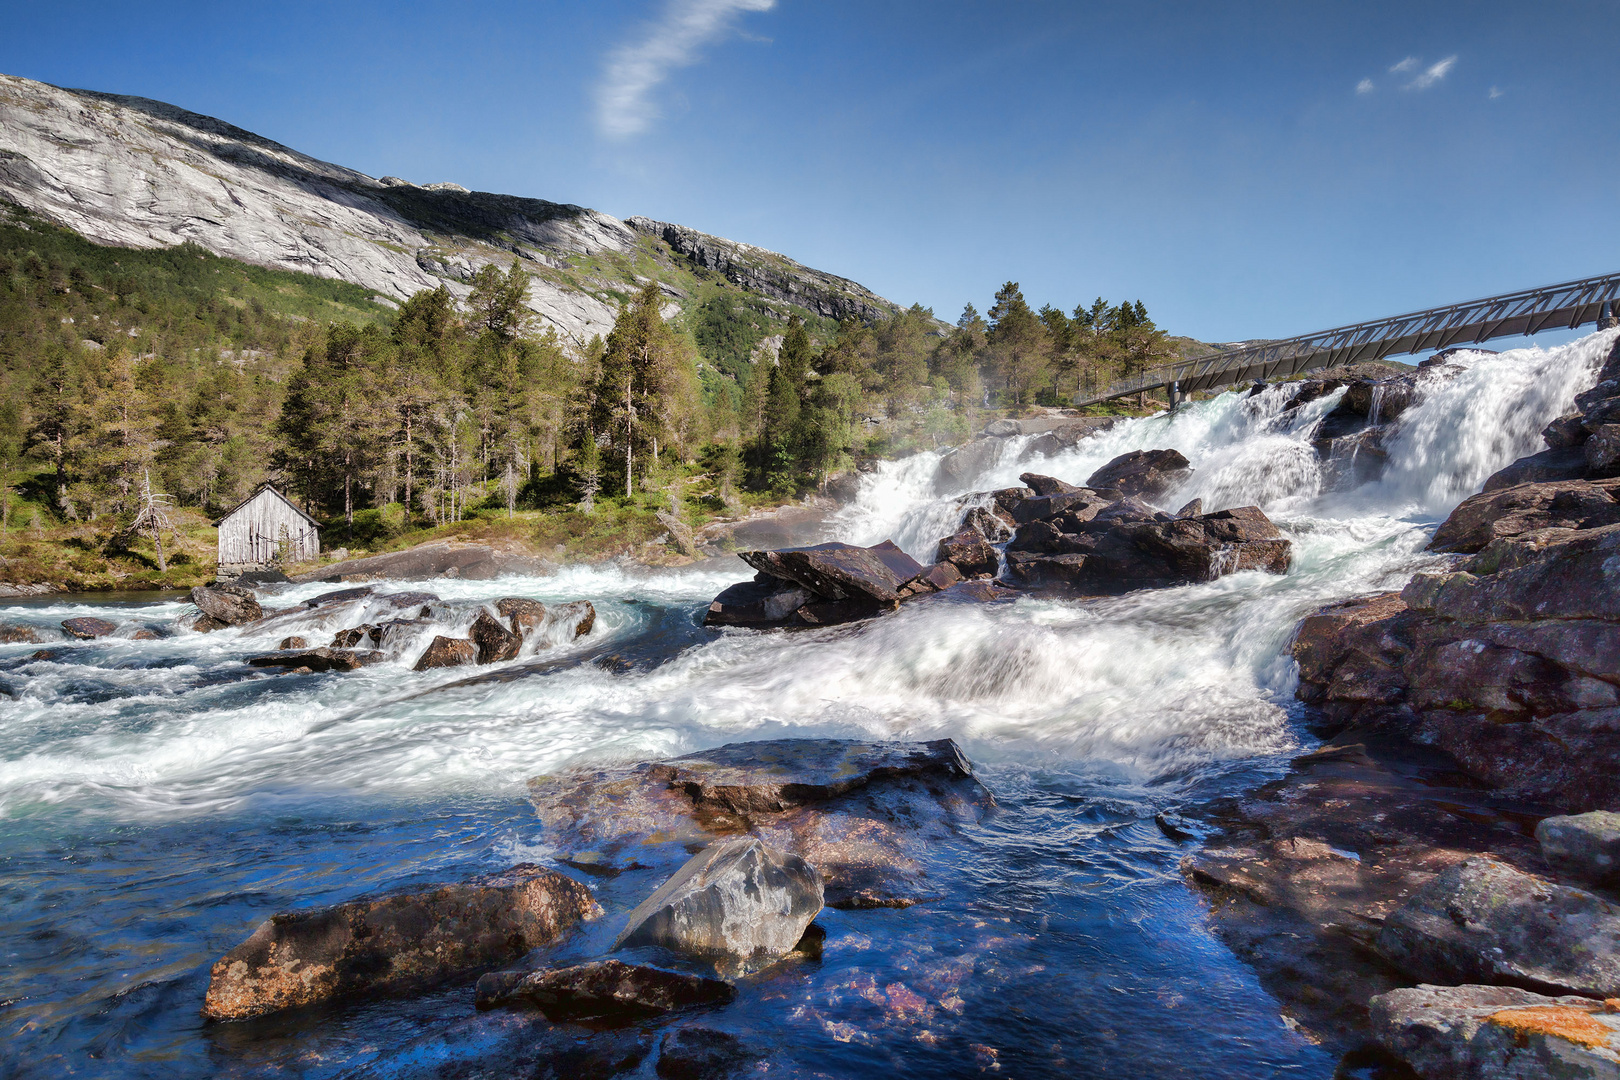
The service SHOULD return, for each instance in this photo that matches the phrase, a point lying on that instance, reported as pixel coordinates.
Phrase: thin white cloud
(1432, 74)
(624, 99)
(1494, 94)
(1409, 64)
(1365, 86)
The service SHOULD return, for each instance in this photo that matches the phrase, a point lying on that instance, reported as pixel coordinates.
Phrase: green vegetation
(204, 377)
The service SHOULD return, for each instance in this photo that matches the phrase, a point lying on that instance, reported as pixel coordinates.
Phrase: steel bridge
(1555, 306)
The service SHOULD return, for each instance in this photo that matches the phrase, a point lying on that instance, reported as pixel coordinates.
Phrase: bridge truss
(1571, 304)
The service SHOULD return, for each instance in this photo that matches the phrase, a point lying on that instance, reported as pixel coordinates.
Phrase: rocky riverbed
(1069, 815)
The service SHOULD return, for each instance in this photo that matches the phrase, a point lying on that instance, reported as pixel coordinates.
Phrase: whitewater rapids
(166, 760)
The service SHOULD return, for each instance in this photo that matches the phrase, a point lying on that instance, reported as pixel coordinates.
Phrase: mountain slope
(141, 173)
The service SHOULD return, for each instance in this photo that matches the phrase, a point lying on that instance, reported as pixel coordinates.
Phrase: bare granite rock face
(865, 815)
(1585, 847)
(737, 904)
(229, 605)
(131, 171)
(395, 944)
(1497, 1033)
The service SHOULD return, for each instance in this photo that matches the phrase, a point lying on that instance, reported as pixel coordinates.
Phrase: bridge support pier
(1606, 317)
(1175, 395)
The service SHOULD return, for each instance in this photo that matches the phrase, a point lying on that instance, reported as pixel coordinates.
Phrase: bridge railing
(1570, 304)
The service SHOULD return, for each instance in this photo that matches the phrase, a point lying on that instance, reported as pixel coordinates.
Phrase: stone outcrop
(396, 944)
(227, 605)
(88, 627)
(738, 905)
(439, 559)
(863, 814)
(1505, 663)
(1497, 1033)
(604, 990)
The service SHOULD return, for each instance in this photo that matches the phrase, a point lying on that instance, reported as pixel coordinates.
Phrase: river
(159, 798)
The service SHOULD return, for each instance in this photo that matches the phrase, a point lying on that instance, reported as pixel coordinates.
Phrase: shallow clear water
(159, 798)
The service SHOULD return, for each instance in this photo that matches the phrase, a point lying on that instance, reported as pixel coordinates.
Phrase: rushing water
(158, 798)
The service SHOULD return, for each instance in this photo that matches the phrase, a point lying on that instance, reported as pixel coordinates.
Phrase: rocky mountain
(141, 173)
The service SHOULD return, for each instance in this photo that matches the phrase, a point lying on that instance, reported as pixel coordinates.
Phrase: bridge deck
(1571, 304)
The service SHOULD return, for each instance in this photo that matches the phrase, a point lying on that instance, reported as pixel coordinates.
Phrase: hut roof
(272, 489)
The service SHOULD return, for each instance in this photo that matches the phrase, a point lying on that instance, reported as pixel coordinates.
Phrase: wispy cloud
(624, 99)
(1494, 94)
(1365, 86)
(1409, 64)
(1431, 74)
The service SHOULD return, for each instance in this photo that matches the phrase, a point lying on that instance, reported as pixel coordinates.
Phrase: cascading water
(159, 798)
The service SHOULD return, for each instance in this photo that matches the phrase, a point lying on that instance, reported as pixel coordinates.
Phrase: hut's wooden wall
(251, 534)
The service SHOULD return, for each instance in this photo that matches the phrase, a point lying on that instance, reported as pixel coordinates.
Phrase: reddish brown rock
(231, 605)
(970, 552)
(392, 945)
(87, 627)
(447, 652)
(525, 616)
(1522, 508)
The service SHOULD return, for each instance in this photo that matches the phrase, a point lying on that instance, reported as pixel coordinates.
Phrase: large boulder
(1497, 1033)
(1549, 465)
(839, 571)
(1147, 473)
(1126, 547)
(737, 904)
(493, 641)
(1585, 847)
(1046, 485)
(867, 816)
(970, 552)
(700, 1053)
(88, 627)
(394, 944)
(1483, 921)
(604, 990)
(446, 652)
(230, 605)
(757, 603)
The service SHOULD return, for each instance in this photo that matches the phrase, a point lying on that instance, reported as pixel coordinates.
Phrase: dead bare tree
(153, 518)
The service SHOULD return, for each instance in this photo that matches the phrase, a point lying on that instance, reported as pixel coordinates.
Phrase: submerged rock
(1497, 1033)
(608, 990)
(865, 815)
(323, 659)
(19, 634)
(1483, 921)
(231, 605)
(293, 642)
(447, 652)
(87, 627)
(737, 904)
(354, 635)
(576, 616)
(700, 1053)
(394, 944)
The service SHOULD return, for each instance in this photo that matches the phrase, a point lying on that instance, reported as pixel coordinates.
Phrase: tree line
(202, 377)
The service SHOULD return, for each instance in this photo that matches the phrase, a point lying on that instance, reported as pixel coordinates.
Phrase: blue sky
(1247, 170)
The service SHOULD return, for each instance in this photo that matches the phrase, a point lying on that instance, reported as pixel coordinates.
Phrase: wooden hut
(260, 527)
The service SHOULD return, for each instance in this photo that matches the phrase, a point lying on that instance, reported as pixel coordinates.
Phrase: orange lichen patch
(1569, 1024)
